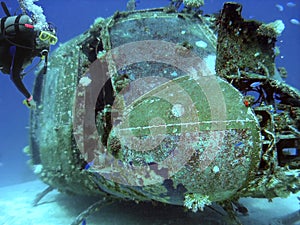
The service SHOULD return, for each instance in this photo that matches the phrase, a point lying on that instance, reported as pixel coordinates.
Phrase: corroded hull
(133, 108)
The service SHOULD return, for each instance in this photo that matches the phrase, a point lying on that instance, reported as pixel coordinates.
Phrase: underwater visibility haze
(189, 108)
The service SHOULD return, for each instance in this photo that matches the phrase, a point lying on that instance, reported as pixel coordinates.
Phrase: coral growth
(193, 3)
(196, 201)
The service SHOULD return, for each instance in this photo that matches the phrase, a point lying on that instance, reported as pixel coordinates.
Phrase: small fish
(295, 21)
(279, 7)
(255, 84)
(131, 5)
(278, 111)
(83, 222)
(89, 165)
(239, 144)
(291, 4)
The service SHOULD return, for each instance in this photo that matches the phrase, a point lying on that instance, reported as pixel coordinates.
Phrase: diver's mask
(48, 37)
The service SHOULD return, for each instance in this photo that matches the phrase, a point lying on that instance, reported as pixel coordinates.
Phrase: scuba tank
(12, 25)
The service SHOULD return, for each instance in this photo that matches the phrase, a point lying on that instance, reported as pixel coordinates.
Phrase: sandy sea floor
(60, 209)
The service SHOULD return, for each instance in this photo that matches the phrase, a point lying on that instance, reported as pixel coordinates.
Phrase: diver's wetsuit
(15, 54)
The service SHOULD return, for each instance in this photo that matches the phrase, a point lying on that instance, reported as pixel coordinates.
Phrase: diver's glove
(29, 102)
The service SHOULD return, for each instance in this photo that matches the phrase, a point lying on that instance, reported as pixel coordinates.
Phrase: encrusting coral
(193, 3)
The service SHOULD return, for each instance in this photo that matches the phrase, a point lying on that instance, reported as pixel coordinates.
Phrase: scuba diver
(20, 42)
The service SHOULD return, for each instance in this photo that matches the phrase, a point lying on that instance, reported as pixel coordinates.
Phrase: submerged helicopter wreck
(171, 106)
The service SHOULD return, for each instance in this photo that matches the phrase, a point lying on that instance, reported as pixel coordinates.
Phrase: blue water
(72, 17)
